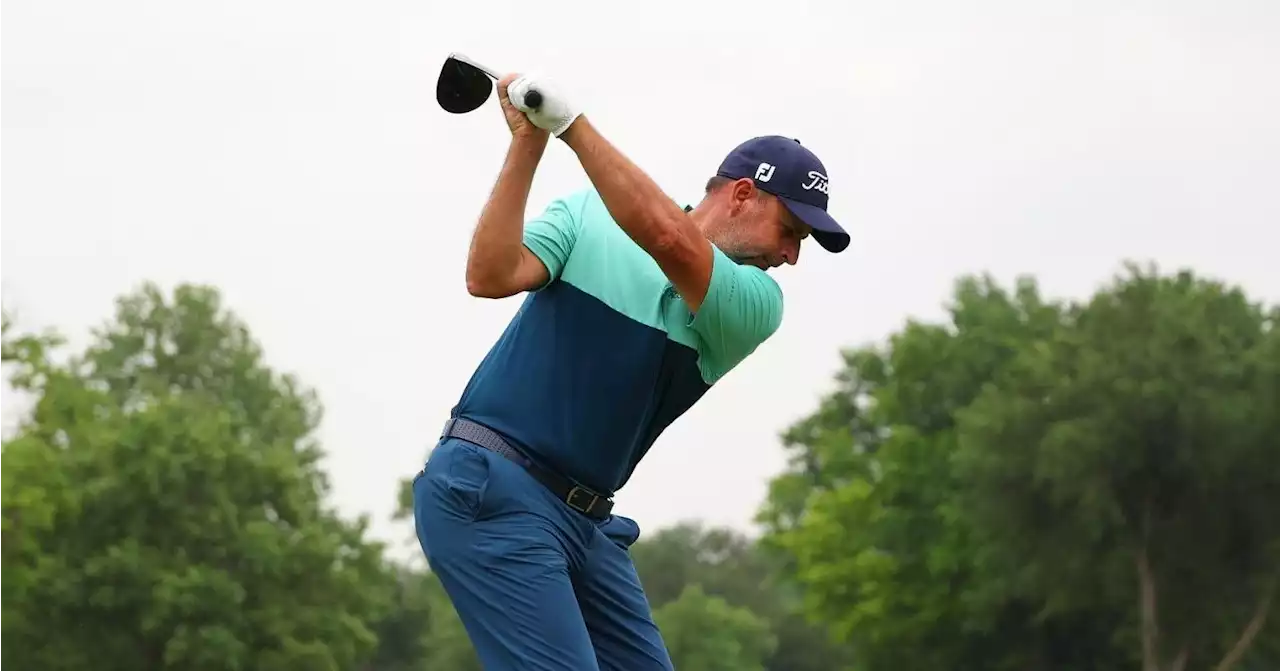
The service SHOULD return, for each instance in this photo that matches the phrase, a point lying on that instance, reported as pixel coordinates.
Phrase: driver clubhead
(462, 87)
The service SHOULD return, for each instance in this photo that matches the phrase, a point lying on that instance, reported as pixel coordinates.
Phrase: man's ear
(742, 192)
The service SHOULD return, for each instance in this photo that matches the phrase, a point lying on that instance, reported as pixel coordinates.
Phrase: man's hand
(521, 127)
(554, 114)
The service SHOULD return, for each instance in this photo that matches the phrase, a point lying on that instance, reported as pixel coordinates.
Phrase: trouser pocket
(453, 483)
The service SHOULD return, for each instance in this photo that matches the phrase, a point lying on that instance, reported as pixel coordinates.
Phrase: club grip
(533, 99)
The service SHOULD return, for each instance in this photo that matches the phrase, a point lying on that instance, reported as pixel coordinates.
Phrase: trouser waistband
(590, 503)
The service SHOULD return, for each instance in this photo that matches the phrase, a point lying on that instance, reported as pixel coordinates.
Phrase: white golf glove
(555, 114)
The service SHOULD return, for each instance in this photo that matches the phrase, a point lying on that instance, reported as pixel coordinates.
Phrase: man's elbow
(482, 286)
(482, 290)
(499, 280)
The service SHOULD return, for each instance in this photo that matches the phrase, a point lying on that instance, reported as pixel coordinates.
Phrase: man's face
(758, 229)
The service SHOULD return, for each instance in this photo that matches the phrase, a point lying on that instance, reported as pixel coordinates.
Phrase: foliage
(163, 506)
(704, 632)
(1026, 485)
(978, 493)
(867, 514)
(726, 564)
(1134, 458)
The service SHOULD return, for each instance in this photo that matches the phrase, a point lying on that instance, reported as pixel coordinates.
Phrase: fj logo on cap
(817, 181)
(765, 172)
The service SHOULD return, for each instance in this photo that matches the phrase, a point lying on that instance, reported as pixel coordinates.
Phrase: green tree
(30, 510)
(164, 506)
(403, 633)
(729, 565)
(704, 632)
(1133, 459)
(723, 562)
(868, 511)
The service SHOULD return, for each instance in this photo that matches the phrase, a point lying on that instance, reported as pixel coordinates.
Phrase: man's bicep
(742, 309)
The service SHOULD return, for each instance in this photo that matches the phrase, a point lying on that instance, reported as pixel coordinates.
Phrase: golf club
(464, 85)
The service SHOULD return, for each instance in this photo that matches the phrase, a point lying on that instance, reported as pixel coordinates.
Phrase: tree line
(1027, 484)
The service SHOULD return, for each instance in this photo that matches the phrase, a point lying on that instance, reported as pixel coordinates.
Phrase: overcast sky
(292, 154)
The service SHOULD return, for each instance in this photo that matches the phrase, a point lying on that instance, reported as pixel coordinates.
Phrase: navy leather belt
(589, 503)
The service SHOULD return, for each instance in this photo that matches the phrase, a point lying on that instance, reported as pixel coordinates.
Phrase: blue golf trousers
(537, 584)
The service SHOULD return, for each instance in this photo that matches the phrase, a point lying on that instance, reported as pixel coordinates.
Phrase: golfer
(634, 308)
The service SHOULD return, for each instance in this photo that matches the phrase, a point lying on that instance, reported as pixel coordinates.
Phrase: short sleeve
(552, 234)
(742, 309)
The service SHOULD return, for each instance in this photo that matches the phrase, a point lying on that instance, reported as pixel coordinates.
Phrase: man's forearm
(496, 245)
(644, 212)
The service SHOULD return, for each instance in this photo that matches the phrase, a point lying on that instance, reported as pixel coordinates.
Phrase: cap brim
(826, 231)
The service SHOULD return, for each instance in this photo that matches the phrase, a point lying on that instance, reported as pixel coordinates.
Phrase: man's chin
(757, 261)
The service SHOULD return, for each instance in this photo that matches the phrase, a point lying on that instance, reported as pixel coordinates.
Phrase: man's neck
(699, 215)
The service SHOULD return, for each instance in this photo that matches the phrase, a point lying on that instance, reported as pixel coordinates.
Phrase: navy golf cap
(785, 168)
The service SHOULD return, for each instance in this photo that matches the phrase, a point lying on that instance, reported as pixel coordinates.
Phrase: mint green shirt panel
(742, 309)
(581, 244)
(553, 234)
(609, 266)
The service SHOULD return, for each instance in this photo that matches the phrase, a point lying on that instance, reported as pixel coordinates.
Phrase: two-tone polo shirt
(598, 362)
